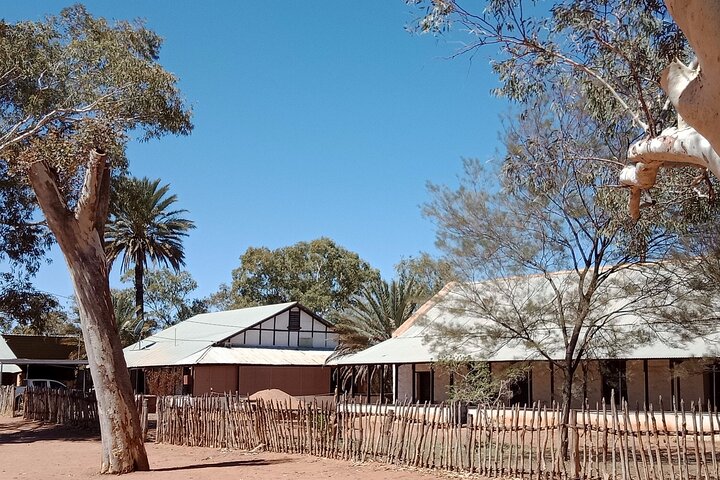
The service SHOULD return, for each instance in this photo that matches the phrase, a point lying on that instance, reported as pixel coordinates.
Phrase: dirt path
(30, 451)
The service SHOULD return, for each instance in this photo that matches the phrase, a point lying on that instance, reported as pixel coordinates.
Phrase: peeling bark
(81, 242)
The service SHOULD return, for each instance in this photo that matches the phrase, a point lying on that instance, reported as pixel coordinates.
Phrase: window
(614, 381)
(424, 385)
(294, 322)
(712, 384)
(520, 388)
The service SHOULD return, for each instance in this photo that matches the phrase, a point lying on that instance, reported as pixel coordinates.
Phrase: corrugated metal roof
(48, 347)
(179, 344)
(448, 311)
(5, 352)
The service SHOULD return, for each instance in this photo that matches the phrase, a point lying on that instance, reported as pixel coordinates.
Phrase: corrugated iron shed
(6, 353)
(194, 340)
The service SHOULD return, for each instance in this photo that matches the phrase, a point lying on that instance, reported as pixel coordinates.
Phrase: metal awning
(43, 361)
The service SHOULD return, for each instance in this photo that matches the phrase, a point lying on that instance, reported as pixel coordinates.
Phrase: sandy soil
(31, 451)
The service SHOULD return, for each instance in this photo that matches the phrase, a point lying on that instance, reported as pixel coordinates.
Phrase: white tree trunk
(695, 93)
(79, 235)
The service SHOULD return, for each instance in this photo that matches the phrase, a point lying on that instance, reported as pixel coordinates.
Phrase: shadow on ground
(233, 463)
(28, 431)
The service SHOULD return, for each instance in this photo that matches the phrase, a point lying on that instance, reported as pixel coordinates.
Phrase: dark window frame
(294, 320)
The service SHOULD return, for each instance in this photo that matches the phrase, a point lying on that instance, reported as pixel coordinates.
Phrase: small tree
(71, 88)
(550, 213)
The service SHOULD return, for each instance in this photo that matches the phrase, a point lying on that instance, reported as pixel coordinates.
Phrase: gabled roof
(191, 340)
(6, 353)
(448, 310)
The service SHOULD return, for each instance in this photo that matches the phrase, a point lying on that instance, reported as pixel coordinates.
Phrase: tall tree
(72, 87)
(621, 54)
(143, 226)
(320, 274)
(551, 212)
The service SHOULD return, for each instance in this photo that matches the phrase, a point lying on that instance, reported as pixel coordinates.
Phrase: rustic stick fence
(69, 407)
(681, 442)
(64, 407)
(605, 442)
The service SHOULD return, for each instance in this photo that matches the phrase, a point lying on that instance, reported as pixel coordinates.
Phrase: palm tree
(142, 226)
(378, 309)
(376, 312)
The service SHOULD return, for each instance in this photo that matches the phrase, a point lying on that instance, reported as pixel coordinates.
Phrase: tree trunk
(565, 410)
(79, 235)
(139, 289)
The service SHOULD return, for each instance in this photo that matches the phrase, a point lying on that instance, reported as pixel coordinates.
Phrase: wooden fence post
(144, 417)
(574, 446)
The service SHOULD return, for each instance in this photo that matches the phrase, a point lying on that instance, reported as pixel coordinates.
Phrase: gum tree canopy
(72, 87)
(622, 53)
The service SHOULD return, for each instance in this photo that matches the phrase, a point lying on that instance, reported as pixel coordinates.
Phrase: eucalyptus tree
(320, 274)
(168, 297)
(622, 54)
(72, 90)
(144, 226)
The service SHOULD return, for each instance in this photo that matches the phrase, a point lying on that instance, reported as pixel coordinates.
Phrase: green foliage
(167, 297)
(432, 274)
(320, 274)
(376, 312)
(143, 226)
(73, 82)
(23, 243)
(22, 308)
(130, 328)
(613, 50)
(473, 382)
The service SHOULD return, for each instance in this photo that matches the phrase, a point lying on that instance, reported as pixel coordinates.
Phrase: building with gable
(242, 351)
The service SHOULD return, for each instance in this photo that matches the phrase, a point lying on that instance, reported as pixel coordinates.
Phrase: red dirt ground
(30, 451)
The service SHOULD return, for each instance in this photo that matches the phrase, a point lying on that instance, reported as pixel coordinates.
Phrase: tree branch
(91, 203)
(52, 202)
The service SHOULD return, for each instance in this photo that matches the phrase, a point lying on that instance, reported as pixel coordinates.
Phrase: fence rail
(69, 407)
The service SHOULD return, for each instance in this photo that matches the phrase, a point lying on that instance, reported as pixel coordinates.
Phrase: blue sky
(311, 119)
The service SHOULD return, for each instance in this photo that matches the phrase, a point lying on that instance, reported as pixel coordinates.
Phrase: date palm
(377, 310)
(143, 226)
